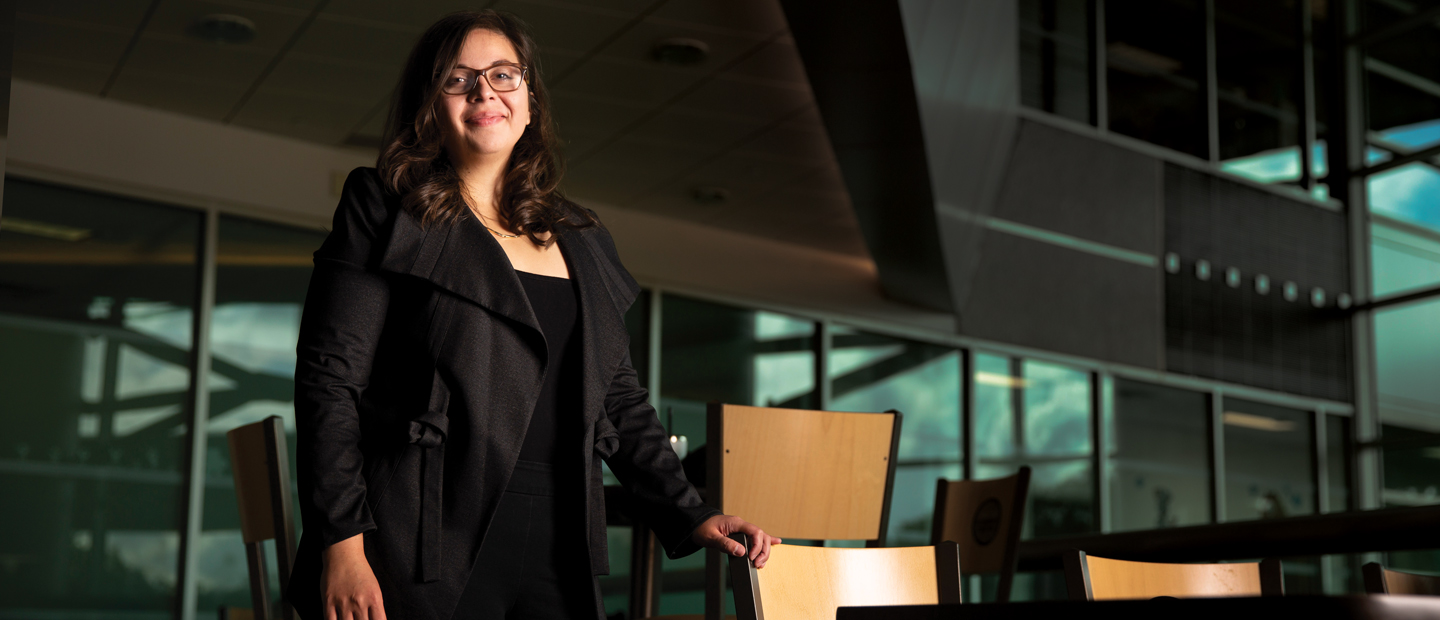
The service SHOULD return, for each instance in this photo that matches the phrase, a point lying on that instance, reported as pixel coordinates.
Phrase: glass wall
(1269, 456)
(869, 372)
(1156, 75)
(1055, 51)
(1038, 414)
(262, 271)
(95, 343)
(1159, 457)
(96, 294)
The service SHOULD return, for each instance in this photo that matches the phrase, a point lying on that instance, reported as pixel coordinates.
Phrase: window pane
(1401, 73)
(870, 372)
(95, 334)
(1410, 193)
(1337, 462)
(1160, 461)
(1407, 354)
(1403, 257)
(1055, 57)
(1257, 68)
(1268, 456)
(922, 381)
(1155, 57)
(994, 408)
(730, 355)
(262, 271)
(1051, 405)
(1412, 465)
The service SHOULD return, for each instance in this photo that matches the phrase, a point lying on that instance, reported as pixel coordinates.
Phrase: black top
(556, 424)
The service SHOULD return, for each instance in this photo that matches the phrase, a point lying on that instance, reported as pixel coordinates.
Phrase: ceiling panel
(744, 97)
(177, 93)
(85, 77)
(117, 15)
(67, 43)
(641, 164)
(308, 118)
(641, 83)
(323, 78)
(381, 47)
(413, 15)
(594, 114)
(638, 43)
(690, 127)
(752, 17)
(195, 61)
(274, 26)
(779, 60)
(572, 27)
(557, 61)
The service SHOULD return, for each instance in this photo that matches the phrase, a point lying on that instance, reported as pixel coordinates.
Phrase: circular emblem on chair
(986, 524)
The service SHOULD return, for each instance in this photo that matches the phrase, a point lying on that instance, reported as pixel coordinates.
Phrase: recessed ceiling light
(44, 229)
(709, 195)
(680, 51)
(223, 28)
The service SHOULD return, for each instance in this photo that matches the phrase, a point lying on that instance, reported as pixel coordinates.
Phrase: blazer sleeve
(644, 462)
(340, 327)
(649, 468)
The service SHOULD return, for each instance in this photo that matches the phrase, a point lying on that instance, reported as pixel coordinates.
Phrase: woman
(463, 366)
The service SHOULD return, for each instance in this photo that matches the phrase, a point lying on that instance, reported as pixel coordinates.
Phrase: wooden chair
(1089, 578)
(260, 462)
(985, 518)
(819, 475)
(813, 582)
(1381, 580)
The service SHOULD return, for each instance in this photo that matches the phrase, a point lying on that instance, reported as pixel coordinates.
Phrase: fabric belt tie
(428, 433)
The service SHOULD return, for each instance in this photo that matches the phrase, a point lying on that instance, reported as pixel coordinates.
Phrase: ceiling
(744, 120)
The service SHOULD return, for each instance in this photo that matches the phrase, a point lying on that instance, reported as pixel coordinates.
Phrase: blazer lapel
(602, 326)
(462, 258)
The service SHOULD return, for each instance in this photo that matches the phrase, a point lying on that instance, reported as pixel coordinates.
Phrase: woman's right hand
(347, 585)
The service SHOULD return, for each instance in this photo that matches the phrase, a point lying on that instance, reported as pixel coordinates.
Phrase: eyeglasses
(502, 78)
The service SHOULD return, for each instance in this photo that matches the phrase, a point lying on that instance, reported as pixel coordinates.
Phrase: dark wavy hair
(413, 163)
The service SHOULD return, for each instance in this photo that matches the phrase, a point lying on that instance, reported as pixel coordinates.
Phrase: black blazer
(419, 364)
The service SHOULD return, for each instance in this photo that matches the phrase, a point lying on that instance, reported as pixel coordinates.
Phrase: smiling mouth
(484, 121)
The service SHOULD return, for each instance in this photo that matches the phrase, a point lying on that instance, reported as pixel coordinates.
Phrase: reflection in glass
(1403, 257)
(1337, 462)
(94, 349)
(262, 271)
(1155, 56)
(1268, 461)
(1160, 459)
(1038, 414)
(1055, 57)
(869, 372)
(1409, 193)
(1258, 69)
(1407, 352)
(712, 352)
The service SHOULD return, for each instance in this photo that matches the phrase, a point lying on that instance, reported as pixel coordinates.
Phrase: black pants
(533, 563)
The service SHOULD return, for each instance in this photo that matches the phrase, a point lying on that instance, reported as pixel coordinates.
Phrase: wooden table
(1382, 607)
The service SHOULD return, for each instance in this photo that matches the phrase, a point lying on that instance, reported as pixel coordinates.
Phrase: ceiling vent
(680, 52)
(223, 28)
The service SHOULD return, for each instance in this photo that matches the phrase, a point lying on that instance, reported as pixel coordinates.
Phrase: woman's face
(485, 122)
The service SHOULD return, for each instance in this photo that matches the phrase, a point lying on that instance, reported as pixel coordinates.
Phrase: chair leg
(714, 585)
(644, 572)
(259, 580)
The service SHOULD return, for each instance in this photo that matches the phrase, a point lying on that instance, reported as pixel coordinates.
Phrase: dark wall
(1234, 333)
(1043, 295)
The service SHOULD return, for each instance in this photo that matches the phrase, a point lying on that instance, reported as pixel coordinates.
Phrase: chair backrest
(1381, 580)
(1088, 578)
(821, 475)
(259, 461)
(984, 517)
(812, 582)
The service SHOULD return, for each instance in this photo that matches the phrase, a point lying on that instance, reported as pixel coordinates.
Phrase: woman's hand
(348, 587)
(715, 533)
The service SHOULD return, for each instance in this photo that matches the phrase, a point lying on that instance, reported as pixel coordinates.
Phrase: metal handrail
(1389, 529)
